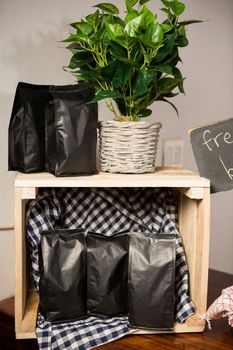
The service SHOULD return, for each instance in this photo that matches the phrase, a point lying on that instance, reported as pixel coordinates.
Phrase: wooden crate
(194, 225)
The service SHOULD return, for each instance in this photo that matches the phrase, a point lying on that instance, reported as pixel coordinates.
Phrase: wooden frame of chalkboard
(212, 146)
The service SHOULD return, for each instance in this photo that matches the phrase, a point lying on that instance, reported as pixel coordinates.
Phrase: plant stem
(110, 106)
(131, 103)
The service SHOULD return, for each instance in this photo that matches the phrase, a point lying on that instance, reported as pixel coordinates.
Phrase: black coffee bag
(71, 130)
(26, 133)
(107, 273)
(62, 286)
(151, 281)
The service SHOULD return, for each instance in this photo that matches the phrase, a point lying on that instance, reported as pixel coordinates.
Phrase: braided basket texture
(128, 147)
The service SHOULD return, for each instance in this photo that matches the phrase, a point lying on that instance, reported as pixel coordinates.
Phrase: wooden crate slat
(162, 177)
(29, 318)
(29, 322)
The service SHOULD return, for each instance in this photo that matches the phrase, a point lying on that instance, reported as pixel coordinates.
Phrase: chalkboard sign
(213, 150)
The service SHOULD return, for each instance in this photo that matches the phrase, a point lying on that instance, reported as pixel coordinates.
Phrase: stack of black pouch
(71, 130)
(151, 281)
(27, 128)
(107, 274)
(53, 128)
(62, 286)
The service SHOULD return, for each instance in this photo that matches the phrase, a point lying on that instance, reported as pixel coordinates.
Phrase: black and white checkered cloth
(105, 211)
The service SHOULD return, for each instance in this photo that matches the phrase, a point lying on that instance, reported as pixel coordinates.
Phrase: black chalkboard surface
(213, 150)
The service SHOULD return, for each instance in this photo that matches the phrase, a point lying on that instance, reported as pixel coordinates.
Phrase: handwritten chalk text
(213, 142)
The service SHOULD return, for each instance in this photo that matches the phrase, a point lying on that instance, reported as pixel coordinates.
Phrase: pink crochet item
(221, 307)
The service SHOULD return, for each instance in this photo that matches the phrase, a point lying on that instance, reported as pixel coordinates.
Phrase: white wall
(30, 51)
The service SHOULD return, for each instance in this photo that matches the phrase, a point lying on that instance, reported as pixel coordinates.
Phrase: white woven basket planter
(128, 147)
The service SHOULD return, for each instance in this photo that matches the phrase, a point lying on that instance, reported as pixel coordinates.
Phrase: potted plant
(131, 61)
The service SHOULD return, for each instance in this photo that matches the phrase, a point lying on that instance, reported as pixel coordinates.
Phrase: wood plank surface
(162, 177)
(29, 319)
(200, 281)
(20, 260)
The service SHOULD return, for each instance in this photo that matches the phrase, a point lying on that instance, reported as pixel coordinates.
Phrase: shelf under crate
(30, 315)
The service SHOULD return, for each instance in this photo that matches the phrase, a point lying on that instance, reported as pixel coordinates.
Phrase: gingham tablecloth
(105, 211)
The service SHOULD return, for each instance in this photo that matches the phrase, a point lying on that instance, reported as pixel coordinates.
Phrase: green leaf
(117, 72)
(78, 37)
(106, 94)
(84, 27)
(154, 33)
(79, 77)
(91, 76)
(75, 24)
(130, 4)
(177, 7)
(74, 47)
(71, 38)
(167, 48)
(191, 21)
(118, 76)
(119, 43)
(114, 30)
(132, 27)
(165, 10)
(127, 73)
(166, 3)
(142, 2)
(166, 27)
(139, 24)
(98, 35)
(108, 71)
(117, 50)
(108, 8)
(173, 58)
(79, 59)
(179, 78)
(148, 16)
(131, 15)
(144, 112)
(182, 31)
(166, 85)
(127, 60)
(171, 94)
(93, 18)
(164, 68)
(182, 41)
(142, 81)
(120, 102)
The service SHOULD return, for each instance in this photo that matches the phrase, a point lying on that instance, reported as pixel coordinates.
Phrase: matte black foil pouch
(62, 286)
(107, 274)
(71, 130)
(151, 281)
(26, 133)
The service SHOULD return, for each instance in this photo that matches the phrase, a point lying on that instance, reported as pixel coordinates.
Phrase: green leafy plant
(132, 61)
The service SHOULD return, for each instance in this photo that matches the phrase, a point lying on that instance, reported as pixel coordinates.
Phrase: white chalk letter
(229, 171)
(207, 141)
(227, 136)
